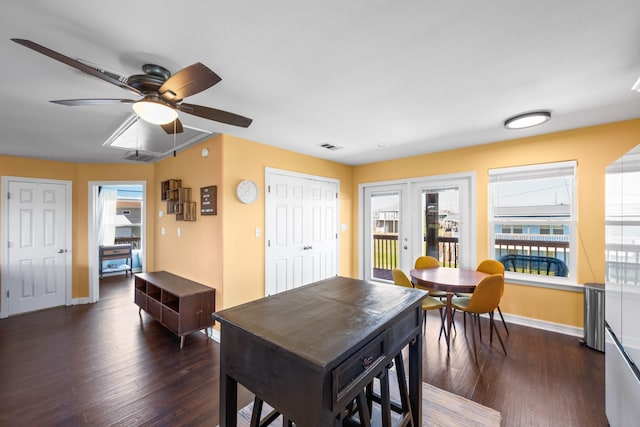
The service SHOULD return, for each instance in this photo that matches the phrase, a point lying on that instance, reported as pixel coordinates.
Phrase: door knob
(60, 251)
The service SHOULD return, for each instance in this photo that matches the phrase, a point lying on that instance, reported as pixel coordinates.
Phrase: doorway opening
(117, 212)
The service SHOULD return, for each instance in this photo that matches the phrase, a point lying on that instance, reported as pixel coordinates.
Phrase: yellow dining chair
(485, 299)
(492, 266)
(428, 303)
(430, 262)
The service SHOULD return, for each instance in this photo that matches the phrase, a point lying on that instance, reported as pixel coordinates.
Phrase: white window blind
(532, 219)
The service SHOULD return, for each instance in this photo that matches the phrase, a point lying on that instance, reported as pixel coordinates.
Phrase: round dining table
(449, 280)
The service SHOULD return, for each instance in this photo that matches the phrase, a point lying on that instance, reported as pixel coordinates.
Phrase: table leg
(228, 400)
(449, 312)
(415, 378)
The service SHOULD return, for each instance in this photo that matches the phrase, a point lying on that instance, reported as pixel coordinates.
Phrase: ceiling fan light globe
(155, 112)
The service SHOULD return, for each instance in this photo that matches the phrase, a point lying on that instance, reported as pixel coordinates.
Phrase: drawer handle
(367, 361)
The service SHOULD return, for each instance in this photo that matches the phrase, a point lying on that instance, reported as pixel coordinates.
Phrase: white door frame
(267, 219)
(4, 300)
(405, 252)
(94, 271)
(466, 183)
(464, 180)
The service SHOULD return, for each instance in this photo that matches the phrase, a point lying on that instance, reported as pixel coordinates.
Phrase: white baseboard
(214, 334)
(78, 301)
(542, 324)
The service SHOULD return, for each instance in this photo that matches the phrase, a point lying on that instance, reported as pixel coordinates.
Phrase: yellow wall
(79, 175)
(214, 249)
(223, 252)
(197, 252)
(243, 252)
(594, 148)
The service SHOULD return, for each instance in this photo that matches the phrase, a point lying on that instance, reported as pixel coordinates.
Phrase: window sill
(543, 282)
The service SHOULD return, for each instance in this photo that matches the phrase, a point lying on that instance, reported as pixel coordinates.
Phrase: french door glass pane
(385, 214)
(440, 225)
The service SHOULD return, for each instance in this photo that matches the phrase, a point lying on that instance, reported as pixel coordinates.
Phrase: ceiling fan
(161, 93)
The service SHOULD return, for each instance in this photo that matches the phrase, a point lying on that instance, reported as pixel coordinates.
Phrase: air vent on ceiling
(331, 146)
(140, 156)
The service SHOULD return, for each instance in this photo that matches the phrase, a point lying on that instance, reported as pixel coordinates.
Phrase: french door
(386, 243)
(428, 216)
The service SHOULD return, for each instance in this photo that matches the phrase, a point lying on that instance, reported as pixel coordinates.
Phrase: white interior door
(36, 271)
(301, 216)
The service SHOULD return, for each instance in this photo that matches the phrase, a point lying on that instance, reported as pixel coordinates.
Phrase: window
(532, 215)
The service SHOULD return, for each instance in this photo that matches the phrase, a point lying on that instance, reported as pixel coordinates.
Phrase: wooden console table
(308, 352)
(116, 252)
(181, 305)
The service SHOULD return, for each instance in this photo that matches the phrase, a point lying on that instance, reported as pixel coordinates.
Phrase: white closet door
(301, 230)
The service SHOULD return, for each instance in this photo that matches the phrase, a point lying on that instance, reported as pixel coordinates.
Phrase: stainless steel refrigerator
(622, 291)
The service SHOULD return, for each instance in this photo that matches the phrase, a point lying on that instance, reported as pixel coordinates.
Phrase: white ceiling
(383, 79)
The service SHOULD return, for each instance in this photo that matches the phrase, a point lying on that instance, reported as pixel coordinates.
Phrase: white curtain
(107, 216)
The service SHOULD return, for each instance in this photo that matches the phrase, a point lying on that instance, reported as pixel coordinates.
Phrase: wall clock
(247, 191)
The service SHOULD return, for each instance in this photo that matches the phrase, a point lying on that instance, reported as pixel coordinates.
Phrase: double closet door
(301, 230)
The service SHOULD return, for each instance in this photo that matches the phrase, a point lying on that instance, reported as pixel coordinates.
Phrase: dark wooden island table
(309, 351)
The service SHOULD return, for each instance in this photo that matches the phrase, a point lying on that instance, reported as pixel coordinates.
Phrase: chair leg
(424, 322)
(453, 316)
(477, 316)
(493, 324)
(464, 321)
(473, 337)
(257, 412)
(503, 322)
(443, 322)
(363, 410)
(402, 386)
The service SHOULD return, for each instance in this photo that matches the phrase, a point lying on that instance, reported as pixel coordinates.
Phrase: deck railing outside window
(385, 253)
(385, 250)
(623, 264)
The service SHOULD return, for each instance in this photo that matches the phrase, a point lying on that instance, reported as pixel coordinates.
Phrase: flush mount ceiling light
(527, 120)
(636, 86)
(154, 111)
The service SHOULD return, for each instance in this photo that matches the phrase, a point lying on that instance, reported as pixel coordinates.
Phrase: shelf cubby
(153, 292)
(178, 200)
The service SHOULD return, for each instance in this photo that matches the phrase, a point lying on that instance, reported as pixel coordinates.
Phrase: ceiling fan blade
(76, 64)
(169, 128)
(188, 81)
(97, 101)
(215, 115)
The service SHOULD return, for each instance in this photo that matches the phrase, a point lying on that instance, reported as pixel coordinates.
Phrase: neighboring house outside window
(533, 220)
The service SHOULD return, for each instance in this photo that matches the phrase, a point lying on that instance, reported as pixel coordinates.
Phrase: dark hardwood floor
(100, 364)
